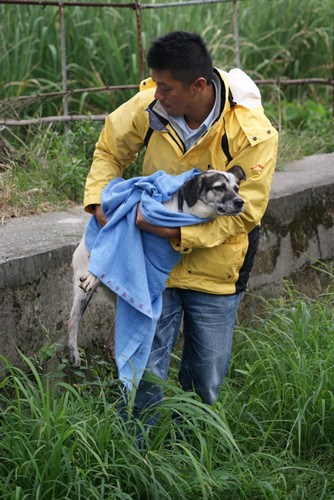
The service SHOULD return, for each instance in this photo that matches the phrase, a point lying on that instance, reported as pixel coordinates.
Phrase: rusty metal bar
(56, 3)
(128, 5)
(9, 122)
(140, 43)
(236, 34)
(182, 4)
(69, 92)
(113, 88)
(63, 58)
(298, 81)
(71, 118)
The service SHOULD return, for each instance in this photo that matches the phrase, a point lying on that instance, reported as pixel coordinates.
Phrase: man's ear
(199, 84)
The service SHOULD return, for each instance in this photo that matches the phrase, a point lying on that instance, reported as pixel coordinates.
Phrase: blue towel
(135, 264)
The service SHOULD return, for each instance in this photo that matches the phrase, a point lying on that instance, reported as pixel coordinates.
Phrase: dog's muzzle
(234, 207)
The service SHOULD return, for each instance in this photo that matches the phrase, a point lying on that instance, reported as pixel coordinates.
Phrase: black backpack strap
(245, 271)
(148, 136)
(224, 143)
(226, 148)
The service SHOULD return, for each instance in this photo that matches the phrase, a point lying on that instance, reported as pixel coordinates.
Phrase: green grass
(47, 169)
(270, 434)
(284, 39)
(49, 172)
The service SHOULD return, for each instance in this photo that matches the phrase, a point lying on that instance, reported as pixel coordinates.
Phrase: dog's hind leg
(80, 302)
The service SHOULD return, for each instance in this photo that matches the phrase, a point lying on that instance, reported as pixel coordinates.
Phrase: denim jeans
(208, 322)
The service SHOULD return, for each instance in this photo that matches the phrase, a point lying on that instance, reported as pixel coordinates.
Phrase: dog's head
(214, 193)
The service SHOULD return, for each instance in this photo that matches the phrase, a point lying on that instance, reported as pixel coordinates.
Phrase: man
(188, 115)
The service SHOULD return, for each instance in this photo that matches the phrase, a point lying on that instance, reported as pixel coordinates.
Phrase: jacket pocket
(213, 267)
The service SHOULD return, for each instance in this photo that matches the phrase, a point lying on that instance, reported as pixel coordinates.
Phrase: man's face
(176, 98)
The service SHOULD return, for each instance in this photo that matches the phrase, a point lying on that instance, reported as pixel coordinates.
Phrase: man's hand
(101, 218)
(163, 232)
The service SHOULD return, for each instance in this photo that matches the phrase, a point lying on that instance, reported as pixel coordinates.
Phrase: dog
(210, 194)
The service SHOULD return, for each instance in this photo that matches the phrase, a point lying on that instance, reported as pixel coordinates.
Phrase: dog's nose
(238, 203)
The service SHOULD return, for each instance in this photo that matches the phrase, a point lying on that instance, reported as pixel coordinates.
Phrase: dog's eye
(221, 187)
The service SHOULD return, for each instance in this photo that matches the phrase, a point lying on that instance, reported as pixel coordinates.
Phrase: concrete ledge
(298, 225)
(35, 256)
(31, 245)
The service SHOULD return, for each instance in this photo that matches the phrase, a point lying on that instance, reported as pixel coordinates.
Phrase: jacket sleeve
(254, 148)
(117, 147)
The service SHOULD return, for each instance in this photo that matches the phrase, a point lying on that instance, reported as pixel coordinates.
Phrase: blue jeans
(207, 330)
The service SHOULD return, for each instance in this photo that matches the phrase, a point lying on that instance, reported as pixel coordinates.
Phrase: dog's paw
(88, 282)
(74, 357)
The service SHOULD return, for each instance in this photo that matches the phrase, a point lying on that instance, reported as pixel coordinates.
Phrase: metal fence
(136, 7)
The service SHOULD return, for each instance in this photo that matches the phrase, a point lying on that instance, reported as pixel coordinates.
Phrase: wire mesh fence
(137, 7)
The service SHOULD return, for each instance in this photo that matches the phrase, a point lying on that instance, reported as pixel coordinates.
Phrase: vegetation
(41, 168)
(49, 172)
(270, 434)
(289, 39)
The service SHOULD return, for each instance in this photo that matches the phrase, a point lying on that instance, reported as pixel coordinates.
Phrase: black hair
(184, 54)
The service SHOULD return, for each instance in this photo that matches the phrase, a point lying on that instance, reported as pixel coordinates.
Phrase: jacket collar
(159, 119)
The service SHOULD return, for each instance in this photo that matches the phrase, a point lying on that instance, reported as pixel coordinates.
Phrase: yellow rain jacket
(217, 255)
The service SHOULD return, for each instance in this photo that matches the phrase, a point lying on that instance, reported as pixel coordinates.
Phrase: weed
(269, 435)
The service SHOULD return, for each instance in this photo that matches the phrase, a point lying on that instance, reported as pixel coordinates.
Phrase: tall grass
(284, 38)
(49, 172)
(270, 435)
(281, 38)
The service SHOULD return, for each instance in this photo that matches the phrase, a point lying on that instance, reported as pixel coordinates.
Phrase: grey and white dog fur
(210, 194)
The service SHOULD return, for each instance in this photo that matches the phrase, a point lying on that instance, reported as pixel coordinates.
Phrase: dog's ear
(238, 172)
(191, 189)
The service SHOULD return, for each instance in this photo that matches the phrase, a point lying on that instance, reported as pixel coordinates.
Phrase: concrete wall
(297, 229)
(35, 256)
